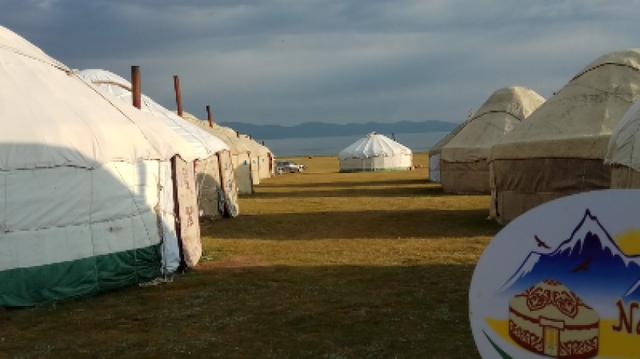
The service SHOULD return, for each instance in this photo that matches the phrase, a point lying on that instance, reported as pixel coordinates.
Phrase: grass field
(320, 264)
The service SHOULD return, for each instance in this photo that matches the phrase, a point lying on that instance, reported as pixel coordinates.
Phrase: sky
(292, 61)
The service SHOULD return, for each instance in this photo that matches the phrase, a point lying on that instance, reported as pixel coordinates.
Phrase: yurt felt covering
(240, 153)
(263, 158)
(463, 161)
(375, 152)
(560, 149)
(436, 150)
(79, 183)
(623, 154)
(211, 197)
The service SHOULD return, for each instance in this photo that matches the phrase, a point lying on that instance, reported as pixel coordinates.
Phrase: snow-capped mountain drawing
(589, 262)
(634, 292)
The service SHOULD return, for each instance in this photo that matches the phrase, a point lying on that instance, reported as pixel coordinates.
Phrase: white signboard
(562, 281)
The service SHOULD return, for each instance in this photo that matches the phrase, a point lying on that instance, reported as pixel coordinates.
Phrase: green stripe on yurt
(21, 287)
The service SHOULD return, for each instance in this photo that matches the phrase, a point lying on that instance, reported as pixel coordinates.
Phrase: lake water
(418, 142)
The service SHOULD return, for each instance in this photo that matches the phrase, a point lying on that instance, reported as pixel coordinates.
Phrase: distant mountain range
(323, 129)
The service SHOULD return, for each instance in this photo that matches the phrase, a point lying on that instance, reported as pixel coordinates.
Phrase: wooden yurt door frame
(226, 212)
(176, 209)
(551, 343)
(194, 246)
(250, 170)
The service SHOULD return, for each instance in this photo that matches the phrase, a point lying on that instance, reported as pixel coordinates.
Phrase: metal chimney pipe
(176, 87)
(209, 116)
(136, 93)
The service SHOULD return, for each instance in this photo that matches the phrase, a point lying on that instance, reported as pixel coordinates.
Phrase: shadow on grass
(357, 192)
(329, 311)
(338, 183)
(378, 224)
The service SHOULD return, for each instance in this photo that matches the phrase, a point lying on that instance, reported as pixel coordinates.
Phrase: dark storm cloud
(277, 61)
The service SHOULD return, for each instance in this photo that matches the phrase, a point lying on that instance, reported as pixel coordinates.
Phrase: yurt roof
(505, 109)
(10, 41)
(437, 148)
(573, 312)
(204, 143)
(374, 145)
(226, 134)
(624, 146)
(577, 122)
(255, 146)
(265, 148)
(50, 117)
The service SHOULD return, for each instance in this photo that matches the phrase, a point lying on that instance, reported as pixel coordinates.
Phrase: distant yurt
(87, 185)
(240, 153)
(464, 165)
(560, 149)
(216, 190)
(623, 154)
(264, 157)
(375, 152)
(267, 162)
(254, 156)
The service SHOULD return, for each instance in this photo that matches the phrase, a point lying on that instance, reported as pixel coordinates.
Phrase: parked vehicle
(288, 167)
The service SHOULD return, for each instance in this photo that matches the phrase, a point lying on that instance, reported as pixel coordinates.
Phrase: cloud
(291, 61)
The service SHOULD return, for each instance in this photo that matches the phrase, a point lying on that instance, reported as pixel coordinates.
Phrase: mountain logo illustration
(589, 262)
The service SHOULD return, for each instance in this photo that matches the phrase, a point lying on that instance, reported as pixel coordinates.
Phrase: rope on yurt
(492, 112)
(57, 65)
(112, 83)
(605, 64)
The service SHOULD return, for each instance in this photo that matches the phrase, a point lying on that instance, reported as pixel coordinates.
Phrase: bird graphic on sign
(582, 267)
(540, 242)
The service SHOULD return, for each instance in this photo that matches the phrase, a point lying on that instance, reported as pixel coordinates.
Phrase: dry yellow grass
(319, 264)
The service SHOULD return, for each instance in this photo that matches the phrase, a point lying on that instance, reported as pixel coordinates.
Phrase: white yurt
(464, 166)
(623, 154)
(240, 153)
(87, 185)
(263, 157)
(560, 149)
(267, 161)
(254, 155)
(375, 152)
(216, 189)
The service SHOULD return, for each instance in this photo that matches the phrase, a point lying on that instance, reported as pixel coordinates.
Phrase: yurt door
(255, 170)
(228, 185)
(186, 202)
(551, 341)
